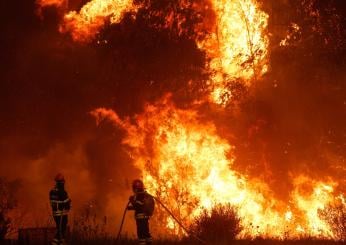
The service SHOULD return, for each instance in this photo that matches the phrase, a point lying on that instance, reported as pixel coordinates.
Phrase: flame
(86, 24)
(310, 202)
(288, 216)
(189, 167)
(293, 35)
(47, 3)
(184, 162)
(237, 45)
(61, 5)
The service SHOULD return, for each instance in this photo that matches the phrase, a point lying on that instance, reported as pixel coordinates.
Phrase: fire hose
(122, 222)
(179, 223)
(170, 213)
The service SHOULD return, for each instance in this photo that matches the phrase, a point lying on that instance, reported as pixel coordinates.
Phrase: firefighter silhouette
(61, 204)
(143, 204)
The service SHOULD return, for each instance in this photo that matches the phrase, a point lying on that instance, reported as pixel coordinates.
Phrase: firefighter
(61, 204)
(143, 205)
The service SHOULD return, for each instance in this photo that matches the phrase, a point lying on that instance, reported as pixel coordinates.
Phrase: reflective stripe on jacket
(59, 201)
(60, 213)
(141, 216)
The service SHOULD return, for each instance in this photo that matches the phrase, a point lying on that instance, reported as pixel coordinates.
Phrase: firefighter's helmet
(137, 185)
(59, 178)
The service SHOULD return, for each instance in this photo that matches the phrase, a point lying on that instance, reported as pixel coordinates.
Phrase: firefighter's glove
(130, 207)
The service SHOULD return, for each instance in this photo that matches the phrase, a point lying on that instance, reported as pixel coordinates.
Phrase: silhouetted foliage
(7, 203)
(221, 224)
(88, 226)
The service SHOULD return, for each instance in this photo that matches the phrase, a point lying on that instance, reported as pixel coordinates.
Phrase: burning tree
(187, 160)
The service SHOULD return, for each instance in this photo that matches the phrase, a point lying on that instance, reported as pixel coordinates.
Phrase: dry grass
(235, 242)
(112, 241)
(218, 227)
(88, 228)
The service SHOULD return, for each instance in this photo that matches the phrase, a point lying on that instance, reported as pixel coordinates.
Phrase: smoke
(292, 121)
(49, 86)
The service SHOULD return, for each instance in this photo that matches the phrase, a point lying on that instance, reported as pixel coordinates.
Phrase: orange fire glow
(189, 167)
(86, 24)
(237, 45)
(184, 162)
(61, 5)
(46, 3)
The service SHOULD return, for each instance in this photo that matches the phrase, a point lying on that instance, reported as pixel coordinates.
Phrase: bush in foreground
(221, 224)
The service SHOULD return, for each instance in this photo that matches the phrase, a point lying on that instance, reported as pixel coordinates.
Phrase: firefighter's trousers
(143, 233)
(61, 225)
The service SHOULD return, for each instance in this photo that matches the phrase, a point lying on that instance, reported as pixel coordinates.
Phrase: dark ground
(238, 242)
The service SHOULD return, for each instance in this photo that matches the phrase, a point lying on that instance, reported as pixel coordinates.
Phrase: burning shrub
(335, 216)
(221, 224)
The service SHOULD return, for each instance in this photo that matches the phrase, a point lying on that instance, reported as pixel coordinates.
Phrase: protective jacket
(60, 202)
(142, 203)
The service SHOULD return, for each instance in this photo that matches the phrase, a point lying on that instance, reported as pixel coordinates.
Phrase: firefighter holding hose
(61, 204)
(143, 204)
